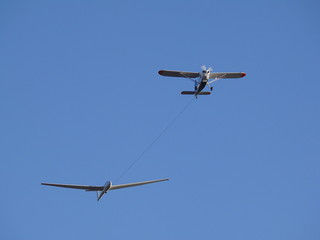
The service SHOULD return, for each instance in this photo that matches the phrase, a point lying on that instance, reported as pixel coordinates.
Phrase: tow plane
(101, 190)
(201, 79)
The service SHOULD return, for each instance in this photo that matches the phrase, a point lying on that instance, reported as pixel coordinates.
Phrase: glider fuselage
(106, 187)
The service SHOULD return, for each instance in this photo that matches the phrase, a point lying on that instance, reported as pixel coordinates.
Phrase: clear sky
(80, 99)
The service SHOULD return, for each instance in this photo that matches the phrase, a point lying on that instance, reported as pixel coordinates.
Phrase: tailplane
(194, 92)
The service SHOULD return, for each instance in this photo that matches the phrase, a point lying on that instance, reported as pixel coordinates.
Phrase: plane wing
(227, 75)
(179, 74)
(113, 187)
(84, 187)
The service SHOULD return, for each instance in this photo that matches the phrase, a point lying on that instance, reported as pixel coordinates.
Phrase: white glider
(101, 190)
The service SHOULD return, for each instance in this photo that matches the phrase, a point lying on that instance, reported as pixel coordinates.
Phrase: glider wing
(84, 187)
(179, 74)
(113, 187)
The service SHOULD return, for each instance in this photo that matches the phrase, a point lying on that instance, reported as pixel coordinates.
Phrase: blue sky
(80, 99)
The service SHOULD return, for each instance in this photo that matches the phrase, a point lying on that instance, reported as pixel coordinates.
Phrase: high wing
(227, 75)
(84, 187)
(113, 187)
(179, 74)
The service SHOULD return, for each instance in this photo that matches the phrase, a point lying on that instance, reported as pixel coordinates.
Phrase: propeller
(204, 68)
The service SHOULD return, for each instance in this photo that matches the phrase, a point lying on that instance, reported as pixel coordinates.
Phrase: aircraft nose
(243, 74)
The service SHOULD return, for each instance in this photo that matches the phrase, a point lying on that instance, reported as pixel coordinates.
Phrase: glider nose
(243, 74)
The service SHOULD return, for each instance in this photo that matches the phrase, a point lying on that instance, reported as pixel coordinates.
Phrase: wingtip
(46, 184)
(163, 179)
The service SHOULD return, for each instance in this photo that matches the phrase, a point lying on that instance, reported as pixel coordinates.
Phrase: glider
(101, 190)
(203, 78)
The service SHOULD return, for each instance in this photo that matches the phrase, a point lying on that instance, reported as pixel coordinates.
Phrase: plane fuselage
(204, 77)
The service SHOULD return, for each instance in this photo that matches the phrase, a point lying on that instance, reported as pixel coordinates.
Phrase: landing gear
(211, 88)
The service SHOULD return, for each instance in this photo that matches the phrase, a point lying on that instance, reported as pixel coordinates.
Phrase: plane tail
(194, 92)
